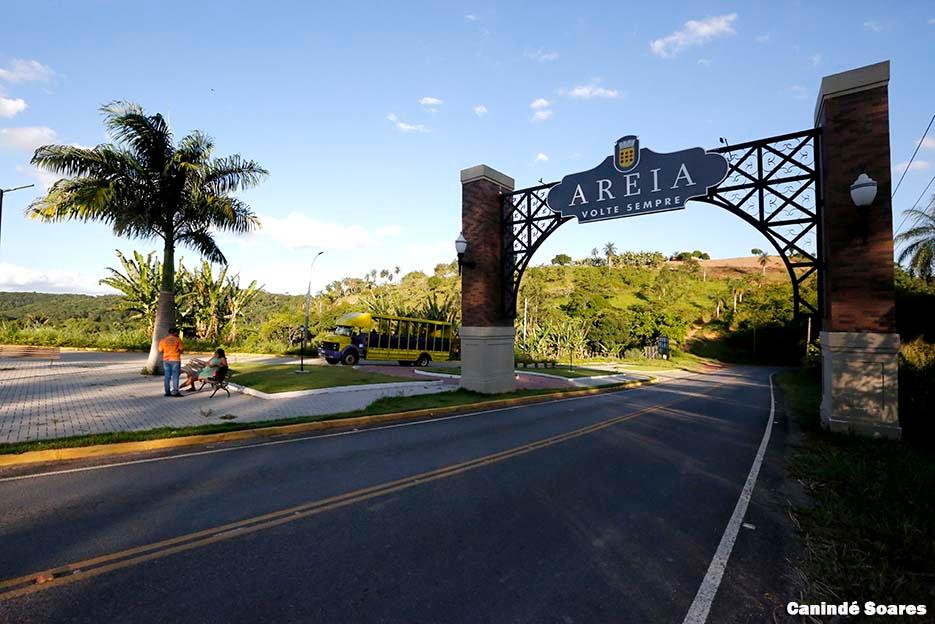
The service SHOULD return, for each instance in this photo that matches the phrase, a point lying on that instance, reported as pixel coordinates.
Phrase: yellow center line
(88, 568)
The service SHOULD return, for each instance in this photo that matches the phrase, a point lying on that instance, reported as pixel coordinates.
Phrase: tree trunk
(165, 310)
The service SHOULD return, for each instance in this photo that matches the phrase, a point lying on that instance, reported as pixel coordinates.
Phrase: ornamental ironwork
(774, 184)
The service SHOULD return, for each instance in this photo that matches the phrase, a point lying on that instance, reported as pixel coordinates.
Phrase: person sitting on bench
(219, 360)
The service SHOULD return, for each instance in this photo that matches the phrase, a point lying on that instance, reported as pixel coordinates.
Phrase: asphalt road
(599, 509)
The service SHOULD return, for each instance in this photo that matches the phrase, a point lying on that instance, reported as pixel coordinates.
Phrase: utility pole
(10, 190)
(308, 296)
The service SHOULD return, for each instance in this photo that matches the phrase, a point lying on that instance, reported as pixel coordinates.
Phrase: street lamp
(863, 192)
(308, 295)
(461, 246)
(10, 190)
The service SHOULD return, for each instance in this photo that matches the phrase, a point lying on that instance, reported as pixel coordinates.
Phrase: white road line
(701, 605)
(302, 439)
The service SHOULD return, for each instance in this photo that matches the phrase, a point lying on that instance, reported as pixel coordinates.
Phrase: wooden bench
(28, 351)
(219, 381)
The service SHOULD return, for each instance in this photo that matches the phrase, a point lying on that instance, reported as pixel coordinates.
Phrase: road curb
(123, 448)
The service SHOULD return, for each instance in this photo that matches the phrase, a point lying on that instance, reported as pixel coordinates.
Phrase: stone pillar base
(487, 360)
(859, 383)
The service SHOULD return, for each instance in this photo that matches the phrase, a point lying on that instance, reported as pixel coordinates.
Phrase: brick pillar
(859, 341)
(486, 335)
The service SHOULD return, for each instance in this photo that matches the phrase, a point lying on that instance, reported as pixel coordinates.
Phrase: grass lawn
(283, 378)
(386, 405)
(558, 371)
(870, 534)
(563, 370)
(680, 360)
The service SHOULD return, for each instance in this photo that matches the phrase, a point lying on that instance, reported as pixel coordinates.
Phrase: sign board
(635, 181)
(663, 345)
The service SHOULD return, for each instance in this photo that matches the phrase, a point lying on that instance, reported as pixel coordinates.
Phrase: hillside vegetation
(596, 306)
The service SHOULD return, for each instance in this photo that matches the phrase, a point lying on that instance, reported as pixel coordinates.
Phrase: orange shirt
(171, 348)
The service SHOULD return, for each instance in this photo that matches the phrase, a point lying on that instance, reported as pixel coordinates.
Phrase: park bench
(528, 362)
(27, 351)
(219, 381)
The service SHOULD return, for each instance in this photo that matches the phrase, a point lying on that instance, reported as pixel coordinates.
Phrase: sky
(364, 113)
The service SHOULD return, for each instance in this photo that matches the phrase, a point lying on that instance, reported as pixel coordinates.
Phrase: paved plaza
(88, 392)
(93, 392)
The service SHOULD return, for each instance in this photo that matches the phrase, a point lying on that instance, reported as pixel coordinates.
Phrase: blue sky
(364, 113)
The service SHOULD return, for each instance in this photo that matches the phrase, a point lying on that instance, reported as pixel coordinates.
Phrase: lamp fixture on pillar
(461, 246)
(863, 192)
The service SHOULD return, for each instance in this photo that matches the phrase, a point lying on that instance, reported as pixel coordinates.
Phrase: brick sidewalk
(100, 392)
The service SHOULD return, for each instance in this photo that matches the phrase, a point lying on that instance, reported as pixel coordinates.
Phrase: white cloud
(587, 92)
(541, 55)
(539, 103)
(405, 127)
(470, 18)
(10, 107)
(480, 110)
(932, 20)
(388, 230)
(24, 279)
(20, 70)
(45, 178)
(872, 26)
(408, 128)
(541, 115)
(26, 138)
(816, 59)
(917, 165)
(798, 92)
(540, 157)
(704, 62)
(431, 101)
(694, 33)
(764, 38)
(299, 231)
(928, 143)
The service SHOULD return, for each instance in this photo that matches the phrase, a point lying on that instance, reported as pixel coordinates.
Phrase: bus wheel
(350, 358)
(332, 360)
(423, 360)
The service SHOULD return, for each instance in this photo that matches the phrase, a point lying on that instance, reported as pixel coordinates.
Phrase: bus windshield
(343, 330)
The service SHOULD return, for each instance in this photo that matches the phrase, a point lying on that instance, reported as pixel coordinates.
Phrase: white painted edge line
(701, 605)
(433, 374)
(244, 447)
(337, 389)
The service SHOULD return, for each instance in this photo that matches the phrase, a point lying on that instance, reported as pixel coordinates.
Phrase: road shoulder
(761, 578)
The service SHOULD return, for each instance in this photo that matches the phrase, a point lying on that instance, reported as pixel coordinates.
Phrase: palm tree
(763, 258)
(609, 250)
(145, 186)
(919, 251)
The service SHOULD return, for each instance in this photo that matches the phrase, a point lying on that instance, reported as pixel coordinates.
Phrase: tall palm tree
(763, 258)
(609, 250)
(146, 186)
(919, 241)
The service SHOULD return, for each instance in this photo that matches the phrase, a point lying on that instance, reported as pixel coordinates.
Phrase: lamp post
(461, 246)
(863, 192)
(10, 190)
(308, 295)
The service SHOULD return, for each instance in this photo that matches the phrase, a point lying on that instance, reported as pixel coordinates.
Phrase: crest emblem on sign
(627, 153)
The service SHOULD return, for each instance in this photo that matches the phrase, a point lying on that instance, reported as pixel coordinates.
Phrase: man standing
(171, 348)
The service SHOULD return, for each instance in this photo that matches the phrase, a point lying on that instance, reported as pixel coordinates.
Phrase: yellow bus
(362, 335)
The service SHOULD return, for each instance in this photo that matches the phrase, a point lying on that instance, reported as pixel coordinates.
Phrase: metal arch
(774, 184)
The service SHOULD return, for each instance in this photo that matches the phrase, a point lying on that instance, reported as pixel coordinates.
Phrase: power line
(906, 170)
(916, 203)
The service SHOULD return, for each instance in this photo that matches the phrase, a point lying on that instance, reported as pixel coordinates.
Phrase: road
(599, 509)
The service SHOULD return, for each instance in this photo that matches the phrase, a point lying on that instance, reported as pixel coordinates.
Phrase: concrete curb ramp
(122, 448)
